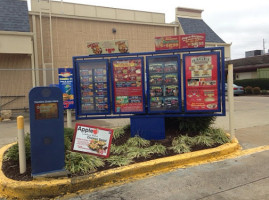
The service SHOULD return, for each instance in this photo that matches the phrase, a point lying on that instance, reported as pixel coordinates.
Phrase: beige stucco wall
(245, 75)
(99, 12)
(70, 36)
(15, 80)
(15, 42)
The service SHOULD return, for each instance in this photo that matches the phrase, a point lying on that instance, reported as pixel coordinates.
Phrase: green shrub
(190, 125)
(137, 142)
(218, 135)
(262, 83)
(82, 163)
(256, 90)
(264, 92)
(119, 160)
(248, 90)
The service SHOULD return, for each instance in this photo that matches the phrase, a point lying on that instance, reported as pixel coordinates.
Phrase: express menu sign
(201, 82)
(128, 84)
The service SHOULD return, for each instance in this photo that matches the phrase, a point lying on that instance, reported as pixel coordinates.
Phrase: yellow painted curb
(57, 187)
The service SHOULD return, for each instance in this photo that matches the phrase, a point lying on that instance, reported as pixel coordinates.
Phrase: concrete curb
(56, 187)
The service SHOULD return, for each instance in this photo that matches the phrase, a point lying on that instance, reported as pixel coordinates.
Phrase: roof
(249, 64)
(255, 60)
(14, 16)
(193, 26)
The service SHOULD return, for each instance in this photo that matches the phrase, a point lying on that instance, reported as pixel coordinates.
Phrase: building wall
(245, 75)
(70, 35)
(15, 80)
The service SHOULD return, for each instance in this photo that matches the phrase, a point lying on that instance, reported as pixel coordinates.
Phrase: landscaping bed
(181, 137)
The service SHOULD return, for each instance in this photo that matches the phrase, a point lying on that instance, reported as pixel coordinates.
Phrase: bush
(262, 83)
(190, 125)
(248, 90)
(256, 90)
(264, 92)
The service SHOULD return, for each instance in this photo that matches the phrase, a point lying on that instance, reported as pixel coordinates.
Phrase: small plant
(248, 90)
(256, 90)
(181, 148)
(158, 149)
(218, 135)
(118, 132)
(203, 140)
(118, 160)
(138, 142)
(182, 144)
(182, 139)
(136, 152)
(118, 149)
(82, 163)
(13, 152)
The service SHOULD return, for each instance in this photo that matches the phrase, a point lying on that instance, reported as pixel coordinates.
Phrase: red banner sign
(180, 41)
(128, 85)
(201, 82)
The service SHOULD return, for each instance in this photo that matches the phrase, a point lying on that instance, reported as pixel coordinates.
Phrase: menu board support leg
(148, 128)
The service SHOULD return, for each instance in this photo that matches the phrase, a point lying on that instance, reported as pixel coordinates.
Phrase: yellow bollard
(21, 143)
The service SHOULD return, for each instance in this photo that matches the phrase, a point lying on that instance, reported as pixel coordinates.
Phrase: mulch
(11, 168)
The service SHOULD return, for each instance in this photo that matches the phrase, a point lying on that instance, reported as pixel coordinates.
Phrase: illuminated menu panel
(201, 82)
(94, 93)
(163, 75)
(128, 85)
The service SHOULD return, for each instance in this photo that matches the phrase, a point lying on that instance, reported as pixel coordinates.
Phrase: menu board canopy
(93, 92)
(201, 82)
(128, 85)
(163, 81)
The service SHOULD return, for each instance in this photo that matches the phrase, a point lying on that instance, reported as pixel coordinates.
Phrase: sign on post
(66, 86)
(92, 140)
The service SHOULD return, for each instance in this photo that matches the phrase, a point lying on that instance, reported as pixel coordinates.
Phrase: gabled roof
(14, 16)
(192, 26)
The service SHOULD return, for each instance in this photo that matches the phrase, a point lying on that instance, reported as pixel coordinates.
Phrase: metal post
(21, 143)
(69, 118)
(231, 101)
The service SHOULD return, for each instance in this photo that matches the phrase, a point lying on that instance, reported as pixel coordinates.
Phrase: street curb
(56, 187)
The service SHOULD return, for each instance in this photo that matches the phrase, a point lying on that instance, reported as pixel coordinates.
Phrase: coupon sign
(92, 140)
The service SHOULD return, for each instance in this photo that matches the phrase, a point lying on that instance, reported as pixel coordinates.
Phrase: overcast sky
(244, 23)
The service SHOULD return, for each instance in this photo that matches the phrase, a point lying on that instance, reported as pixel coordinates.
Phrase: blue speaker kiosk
(47, 130)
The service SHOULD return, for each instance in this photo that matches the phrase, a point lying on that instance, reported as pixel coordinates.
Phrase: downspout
(36, 67)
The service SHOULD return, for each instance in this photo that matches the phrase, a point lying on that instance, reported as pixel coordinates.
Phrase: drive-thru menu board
(163, 80)
(94, 95)
(128, 85)
(201, 82)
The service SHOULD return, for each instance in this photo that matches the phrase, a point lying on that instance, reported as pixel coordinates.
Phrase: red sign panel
(128, 85)
(92, 140)
(192, 41)
(201, 82)
(180, 41)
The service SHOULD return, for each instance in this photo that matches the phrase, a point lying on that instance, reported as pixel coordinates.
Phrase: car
(238, 90)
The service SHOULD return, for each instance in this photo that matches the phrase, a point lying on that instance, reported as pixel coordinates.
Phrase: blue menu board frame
(167, 77)
(117, 110)
(207, 87)
(93, 92)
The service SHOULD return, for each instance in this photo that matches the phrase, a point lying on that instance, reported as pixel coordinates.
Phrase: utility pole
(263, 43)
